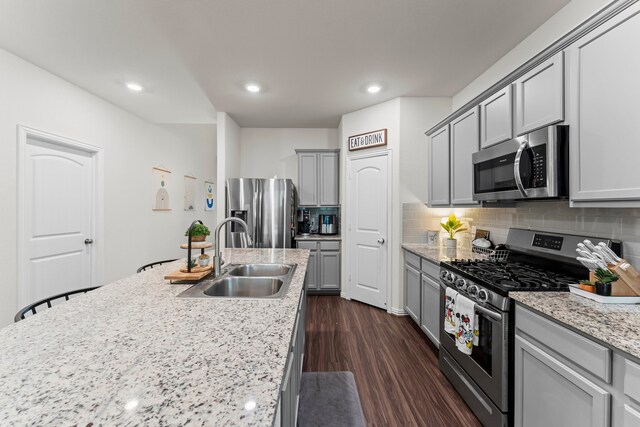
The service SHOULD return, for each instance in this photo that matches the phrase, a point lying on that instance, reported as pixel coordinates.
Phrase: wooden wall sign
(368, 140)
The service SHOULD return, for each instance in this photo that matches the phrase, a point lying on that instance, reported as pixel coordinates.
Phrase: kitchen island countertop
(318, 237)
(131, 353)
(615, 325)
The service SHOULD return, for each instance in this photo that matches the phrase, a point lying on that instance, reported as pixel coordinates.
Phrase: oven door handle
(516, 169)
(489, 313)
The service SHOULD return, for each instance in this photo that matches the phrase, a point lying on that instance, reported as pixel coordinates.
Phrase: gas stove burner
(510, 275)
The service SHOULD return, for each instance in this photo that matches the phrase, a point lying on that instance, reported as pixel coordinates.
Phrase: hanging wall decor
(375, 138)
(209, 203)
(189, 193)
(160, 189)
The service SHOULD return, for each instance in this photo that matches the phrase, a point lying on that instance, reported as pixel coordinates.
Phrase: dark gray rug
(329, 399)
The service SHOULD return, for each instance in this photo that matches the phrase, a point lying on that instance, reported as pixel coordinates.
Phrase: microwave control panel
(539, 166)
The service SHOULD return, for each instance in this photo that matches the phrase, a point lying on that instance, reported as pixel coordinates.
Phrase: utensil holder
(623, 287)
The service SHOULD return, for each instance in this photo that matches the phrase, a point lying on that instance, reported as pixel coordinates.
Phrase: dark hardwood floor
(394, 364)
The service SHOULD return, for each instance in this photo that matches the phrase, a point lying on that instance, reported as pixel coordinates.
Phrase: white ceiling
(312, 57)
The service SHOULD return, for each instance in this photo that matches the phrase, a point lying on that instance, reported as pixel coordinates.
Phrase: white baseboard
(397, 311)
(344, 295)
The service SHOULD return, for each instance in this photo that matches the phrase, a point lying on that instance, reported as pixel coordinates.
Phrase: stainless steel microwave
(533, 166)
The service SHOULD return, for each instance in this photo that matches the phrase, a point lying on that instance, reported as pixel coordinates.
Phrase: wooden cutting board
(197, 273)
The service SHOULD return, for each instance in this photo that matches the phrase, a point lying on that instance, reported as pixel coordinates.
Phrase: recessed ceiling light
(373, 89)
(134, 87)
(252, 87)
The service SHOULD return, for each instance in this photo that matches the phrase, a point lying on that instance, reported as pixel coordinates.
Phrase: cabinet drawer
(632, 380)
(431, 269)
(329, 246)
(574, 347)
(412, 259)
(308, 245)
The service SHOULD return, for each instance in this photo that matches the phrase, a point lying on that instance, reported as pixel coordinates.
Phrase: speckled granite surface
(438, 253)
(314, 237)
(131, 353)
(613, 324)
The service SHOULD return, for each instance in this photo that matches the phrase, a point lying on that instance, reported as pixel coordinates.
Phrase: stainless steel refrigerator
(267, 206)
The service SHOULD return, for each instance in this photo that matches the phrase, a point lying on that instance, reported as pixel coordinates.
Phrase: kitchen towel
(450, 310)
(465, 323)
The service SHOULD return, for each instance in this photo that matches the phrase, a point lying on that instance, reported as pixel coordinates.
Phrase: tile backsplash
(555, 215)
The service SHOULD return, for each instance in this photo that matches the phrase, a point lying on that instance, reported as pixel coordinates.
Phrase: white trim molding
(397, 311)
(23, 134)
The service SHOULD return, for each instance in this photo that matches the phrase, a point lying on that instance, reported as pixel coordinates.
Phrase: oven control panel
(547, 242)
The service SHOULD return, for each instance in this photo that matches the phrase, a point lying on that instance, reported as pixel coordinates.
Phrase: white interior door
(368, 197)
(58, 219)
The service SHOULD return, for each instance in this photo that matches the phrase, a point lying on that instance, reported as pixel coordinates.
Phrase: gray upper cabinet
(496, 118)
(464, 142)
(318, 177)
(308, 179)
(604, 67)
(540, 96)
(439, 163)
(329, 167)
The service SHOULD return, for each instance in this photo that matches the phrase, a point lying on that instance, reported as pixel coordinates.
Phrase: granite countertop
(439, 253)
(613, 324)
(329, 237)
(131, 353)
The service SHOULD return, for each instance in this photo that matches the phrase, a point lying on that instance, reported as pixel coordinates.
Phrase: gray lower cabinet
(422, 294)
(603, 70)
(318, 177)
(430, 308)
(412, 291)
(329, 270)
(565, 378)
(323, 269)
(549, 392)
(287, 409)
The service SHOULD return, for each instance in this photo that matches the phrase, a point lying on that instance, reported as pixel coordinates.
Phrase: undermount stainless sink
(259, 281)
(260, 270)
(245, 287)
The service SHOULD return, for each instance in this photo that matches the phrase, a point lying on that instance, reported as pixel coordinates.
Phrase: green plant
(606, 276)
(198, 230)
(586, 282)
(194, 262)
(452, 226)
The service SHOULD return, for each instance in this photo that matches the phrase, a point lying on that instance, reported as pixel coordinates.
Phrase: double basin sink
(245, 281)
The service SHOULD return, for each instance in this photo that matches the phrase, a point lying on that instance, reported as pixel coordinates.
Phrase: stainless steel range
(538, 261)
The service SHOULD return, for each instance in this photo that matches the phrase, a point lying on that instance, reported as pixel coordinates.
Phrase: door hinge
(349, 277)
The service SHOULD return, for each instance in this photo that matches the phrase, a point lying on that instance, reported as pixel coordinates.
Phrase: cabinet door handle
(88, 241)
(381, 240)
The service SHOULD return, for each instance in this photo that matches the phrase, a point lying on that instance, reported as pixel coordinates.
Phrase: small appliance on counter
(304, 222)
(328, 224)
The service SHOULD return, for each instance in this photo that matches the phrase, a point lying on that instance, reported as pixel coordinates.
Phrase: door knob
(88, 241)
(381, 240)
